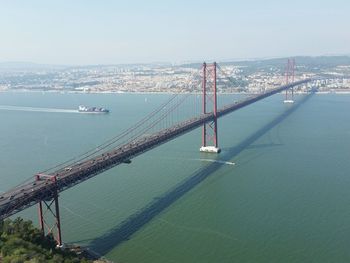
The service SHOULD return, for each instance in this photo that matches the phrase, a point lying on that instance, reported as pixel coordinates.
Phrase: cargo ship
(84, 109)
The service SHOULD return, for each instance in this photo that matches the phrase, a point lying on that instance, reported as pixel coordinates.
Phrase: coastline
(87, 253)
(151, 92)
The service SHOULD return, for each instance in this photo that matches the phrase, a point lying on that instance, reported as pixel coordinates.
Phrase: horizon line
(227, 60)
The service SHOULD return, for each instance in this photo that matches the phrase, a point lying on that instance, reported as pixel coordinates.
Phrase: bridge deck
(31, 193)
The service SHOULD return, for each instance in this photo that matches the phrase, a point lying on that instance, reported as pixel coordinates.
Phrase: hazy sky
(106, 32)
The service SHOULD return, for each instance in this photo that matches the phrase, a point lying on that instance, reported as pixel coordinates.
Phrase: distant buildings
(165, 78)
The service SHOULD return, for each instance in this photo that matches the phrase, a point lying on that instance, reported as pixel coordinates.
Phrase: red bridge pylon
(210, 130)
(290, 74)
(49, 205)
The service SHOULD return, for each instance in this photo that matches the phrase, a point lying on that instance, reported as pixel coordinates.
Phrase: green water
(285, 200)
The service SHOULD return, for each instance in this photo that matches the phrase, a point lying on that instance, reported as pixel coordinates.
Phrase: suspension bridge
(44, 188)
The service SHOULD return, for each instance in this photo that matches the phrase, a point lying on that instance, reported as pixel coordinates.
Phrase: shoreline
(155, 92)
(87, 253)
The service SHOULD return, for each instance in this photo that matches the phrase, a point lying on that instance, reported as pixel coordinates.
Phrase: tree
(21, 242)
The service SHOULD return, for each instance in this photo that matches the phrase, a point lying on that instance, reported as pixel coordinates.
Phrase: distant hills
(308, 61)
(319, 61)
(18, 65)
(329, 61)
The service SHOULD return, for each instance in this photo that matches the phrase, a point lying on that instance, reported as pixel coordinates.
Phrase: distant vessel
(84, 109)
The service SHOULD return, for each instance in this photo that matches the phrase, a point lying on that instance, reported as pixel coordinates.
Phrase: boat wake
(199, 160)
(214, 161)
(33, 109)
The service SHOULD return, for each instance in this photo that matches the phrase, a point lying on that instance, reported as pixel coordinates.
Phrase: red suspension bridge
(43, 189)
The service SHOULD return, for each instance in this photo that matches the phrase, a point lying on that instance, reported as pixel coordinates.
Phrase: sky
(81, 32)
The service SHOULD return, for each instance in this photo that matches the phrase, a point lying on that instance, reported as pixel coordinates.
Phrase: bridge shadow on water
(122, 232)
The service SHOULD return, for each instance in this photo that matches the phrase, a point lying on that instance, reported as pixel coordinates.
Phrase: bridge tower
(210, 129)
(290, 74)
(49, 205)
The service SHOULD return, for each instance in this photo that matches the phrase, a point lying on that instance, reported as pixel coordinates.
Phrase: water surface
(286, 199)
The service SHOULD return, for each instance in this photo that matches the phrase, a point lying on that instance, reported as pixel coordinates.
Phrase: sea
(277, 192)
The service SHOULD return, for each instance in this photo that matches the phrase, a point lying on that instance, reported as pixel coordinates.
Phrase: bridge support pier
(51, 207)
(210, 130)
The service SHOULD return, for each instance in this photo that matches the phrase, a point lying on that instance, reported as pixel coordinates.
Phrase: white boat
(84, 109)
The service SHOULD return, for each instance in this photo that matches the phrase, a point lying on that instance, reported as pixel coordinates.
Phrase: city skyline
(115, 32)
